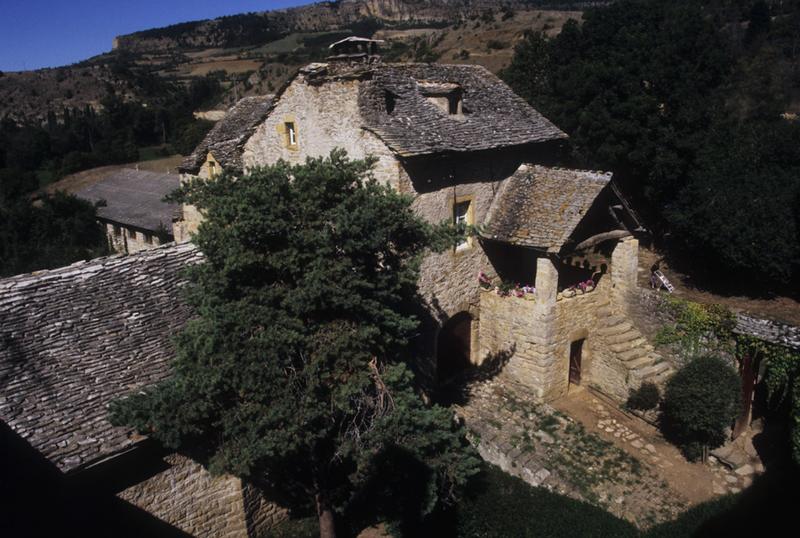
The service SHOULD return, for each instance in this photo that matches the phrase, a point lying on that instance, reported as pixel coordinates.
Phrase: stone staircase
(639, 358)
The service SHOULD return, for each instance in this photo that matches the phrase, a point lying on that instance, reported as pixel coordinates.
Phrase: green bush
(700, 402)
(644, 398)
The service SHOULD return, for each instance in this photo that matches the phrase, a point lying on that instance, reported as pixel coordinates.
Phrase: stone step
(614, 329)
(662, 378)
(636, 365)
(627, 336)
(645, 374)
(631, 354)
(614, 319)
(604, 311)
(636, 343)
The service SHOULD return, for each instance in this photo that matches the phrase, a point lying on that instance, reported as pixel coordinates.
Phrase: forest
(41, 231)
(693, 106)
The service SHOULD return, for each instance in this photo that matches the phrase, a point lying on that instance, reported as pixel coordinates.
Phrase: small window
(132, 234)
(212, 169)
(291, 134)
(117, 231)
(148, 238)
(462, 217)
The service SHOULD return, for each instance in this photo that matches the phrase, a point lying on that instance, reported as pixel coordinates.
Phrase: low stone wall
(521, 328)
(187, 497)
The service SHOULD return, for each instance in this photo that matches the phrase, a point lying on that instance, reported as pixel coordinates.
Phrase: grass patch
(500, 505)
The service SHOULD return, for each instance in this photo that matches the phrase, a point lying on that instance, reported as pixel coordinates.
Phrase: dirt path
(783, 309)
(696, 482)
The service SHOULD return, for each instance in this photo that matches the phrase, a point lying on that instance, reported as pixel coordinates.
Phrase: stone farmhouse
(469, 150)
(453, 137)
(133, 211)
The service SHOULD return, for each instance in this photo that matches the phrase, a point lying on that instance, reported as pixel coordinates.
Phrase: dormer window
(445, 95)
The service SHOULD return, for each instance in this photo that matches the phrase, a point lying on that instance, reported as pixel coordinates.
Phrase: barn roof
(72, 339)
(493, 115)
(541, 207)
(135, 198)
(225, 140)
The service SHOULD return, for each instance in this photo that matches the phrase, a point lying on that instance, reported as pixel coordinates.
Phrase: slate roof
(494, 116)
(541, 207)
(226, 139)
(135, 198)
(72, 339)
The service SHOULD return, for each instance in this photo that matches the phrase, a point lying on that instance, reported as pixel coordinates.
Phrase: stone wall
(325, 117)
(578, 318)
(126, 240)
(187, 497)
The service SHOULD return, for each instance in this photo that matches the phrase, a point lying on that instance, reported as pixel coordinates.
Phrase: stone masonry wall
(187, 497)
(577, 318)
(325, 116)
(126, 240)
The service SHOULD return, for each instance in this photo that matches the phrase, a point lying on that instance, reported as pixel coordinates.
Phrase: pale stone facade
(325, 117)
(538, 332)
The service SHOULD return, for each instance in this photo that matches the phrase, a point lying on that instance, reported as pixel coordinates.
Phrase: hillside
(256, 52)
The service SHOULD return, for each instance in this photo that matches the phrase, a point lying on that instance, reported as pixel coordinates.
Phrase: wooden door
(575, 351)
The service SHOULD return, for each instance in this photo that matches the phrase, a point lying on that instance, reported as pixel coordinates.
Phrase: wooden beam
(599, 238)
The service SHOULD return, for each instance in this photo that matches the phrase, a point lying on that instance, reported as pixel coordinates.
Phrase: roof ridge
(95, 264)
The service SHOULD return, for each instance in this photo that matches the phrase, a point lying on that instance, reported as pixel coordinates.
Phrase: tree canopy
(684, 101)
(293, 374)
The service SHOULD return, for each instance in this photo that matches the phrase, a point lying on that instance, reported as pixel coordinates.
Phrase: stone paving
(727, 478)
(547, 448)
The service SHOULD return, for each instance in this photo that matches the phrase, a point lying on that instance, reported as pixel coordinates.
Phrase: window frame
(468, 216)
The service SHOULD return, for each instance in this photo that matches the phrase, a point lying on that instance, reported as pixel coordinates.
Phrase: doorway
(575, 360)
(453, 349)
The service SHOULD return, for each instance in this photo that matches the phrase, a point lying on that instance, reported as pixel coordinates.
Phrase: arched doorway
(453, 349)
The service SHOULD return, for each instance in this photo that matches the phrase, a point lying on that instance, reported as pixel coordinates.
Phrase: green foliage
(665, 95)
(701, 400)
(698, 327)
(782, 378)
(56, 231)
(646, 397)
(499, 505)
(293, 373)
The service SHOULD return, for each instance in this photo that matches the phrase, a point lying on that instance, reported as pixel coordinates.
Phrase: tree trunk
(327, 528)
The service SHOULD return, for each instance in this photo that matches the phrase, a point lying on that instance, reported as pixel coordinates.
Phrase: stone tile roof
(493, 115)
(541, 207)
(226, 139)
(135, 198)
(769, 331)
(72, 339)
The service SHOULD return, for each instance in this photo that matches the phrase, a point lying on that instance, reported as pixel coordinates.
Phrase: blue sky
(49, 33)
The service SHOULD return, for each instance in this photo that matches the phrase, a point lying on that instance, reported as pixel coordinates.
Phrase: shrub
(700, 402)
(644, 398)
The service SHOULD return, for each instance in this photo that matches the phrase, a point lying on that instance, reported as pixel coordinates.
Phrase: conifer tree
(293, 375)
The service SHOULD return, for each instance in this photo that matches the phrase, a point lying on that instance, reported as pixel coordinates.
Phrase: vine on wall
(702, 329)
(698, 329)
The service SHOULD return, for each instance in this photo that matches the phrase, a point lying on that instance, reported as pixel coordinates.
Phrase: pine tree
(292, 375)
